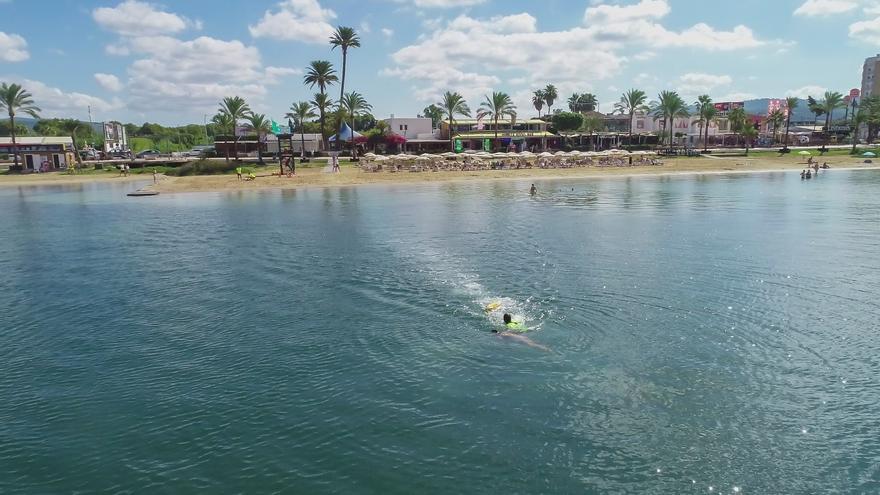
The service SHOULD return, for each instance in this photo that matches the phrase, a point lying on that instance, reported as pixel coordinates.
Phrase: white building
(688, 128)
(418, 131)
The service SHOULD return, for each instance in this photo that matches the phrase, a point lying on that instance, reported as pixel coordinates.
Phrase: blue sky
(171, 61)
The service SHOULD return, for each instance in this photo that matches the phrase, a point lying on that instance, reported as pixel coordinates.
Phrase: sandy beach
(316, 177)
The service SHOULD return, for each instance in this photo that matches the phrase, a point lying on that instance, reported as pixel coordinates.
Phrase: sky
(171, 62)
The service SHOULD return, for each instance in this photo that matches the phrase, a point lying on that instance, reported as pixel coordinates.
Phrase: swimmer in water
(533, 190)
(522, 339)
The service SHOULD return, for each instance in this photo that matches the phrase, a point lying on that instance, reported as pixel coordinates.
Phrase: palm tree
(588, 102)
(669, 107)
(857, 121)
(737, 118)
(14, 99)
(500, 105)
(703, 103)
(237, 109)
(776, 118)
(321, 74)
(710, 113)
(538, 100)
(817, 108)
(258, 123)
(749, 133)
(71, 127)
(324, 105)
(299, 112)
(631, 102)
(224, 121)
(344, 38)
(550, 96)
(833, 100)
(453, 104)
(353, 103)
(574, 102)
(790, 104)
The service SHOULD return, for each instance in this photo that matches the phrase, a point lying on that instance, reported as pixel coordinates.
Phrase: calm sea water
(708, 332)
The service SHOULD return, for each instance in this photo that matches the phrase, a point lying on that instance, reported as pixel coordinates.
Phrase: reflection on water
(706, 331)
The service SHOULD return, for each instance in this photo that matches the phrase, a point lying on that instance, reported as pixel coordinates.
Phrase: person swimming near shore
(522, 339)
(533, 191)
(516, 326)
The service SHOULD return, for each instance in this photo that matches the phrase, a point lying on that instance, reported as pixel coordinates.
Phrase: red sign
(724, 108)
(854, 93)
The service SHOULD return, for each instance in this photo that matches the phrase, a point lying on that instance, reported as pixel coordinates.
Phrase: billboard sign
(777, 105)
(724, 108)
(854, 93)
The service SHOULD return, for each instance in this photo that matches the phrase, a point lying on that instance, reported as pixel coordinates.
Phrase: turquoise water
(705, 331)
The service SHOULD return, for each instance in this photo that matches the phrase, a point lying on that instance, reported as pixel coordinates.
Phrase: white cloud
(644, 55)
(872, 9)
(813, 8)
(697, 82)
(740, 96)
(868, 31)
(55, 102)
(109, 82)
(364, 27)
(13, 48)
(117, 49)
(811, 90)
(388, 33)
(296, 20)
(443, 4)
(645, 9)
(638, 23)
(135, 18)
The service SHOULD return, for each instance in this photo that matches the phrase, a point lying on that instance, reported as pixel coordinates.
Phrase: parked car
(199, 151)
(148, 154)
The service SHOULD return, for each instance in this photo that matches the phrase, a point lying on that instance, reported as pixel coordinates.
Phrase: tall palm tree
(224, 122)
(353, 104)
(538, 100)
(14, 99)
(588, 102)
(737, 118)
(550, 96)
(344, 38)
(497, 106)
(324, 105)
(816, 107)
(703, 103)
(776, 118)
(321, 74)
(631, 102)
(299, 112)
(857, 121)
(574, 102)
(669, 107)
(710, 113)
(749, 133)
(258, 123)
(453, 104)
(790, 104)
(833, 100)
(237, 109)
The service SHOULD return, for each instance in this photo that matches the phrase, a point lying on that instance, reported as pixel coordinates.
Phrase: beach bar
(40, 153)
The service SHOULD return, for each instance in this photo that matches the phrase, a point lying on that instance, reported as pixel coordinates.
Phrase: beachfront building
(40, 153)
(419, 133)
(519, 135)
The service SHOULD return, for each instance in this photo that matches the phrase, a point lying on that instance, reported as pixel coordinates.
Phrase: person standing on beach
(533, 191)
(155, 179)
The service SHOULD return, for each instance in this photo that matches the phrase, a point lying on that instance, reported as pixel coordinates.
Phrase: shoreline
(316, 178)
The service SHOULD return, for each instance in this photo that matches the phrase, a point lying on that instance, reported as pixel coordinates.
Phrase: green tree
(538, 100)
(6, 129)
(74, 128)
(737, 118)
(353, 104)
(299, 112)
(550, 96)
(497, 106)
(434, 113)
(704, 103)
(816, 107)
(237, 109)
(791, 103)
(223, 122)
(833, 100)
(321, 74)
(259, 125)
(749, 134)
(567, 121)
(631, 102)
(453, 104)
(669, 107)
(14, 100)
(343, 38)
